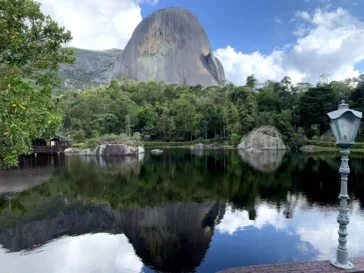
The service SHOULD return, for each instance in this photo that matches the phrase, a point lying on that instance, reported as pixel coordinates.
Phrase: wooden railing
(49, 149)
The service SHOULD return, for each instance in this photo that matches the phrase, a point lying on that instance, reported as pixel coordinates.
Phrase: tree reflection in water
(168, 206)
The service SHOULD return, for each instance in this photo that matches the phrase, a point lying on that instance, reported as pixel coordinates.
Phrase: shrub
(78, 136)
(137, 136)
(296, 141)
(112, 139)
(235, 139)
(78, 145)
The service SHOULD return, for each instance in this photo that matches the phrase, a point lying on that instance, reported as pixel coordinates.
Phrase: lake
(181, 211)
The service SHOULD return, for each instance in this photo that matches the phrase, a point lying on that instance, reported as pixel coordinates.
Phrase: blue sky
(249, 26)
(268, 38)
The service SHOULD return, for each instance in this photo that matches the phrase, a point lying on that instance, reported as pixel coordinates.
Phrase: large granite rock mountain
(170, 45)
(92, 68)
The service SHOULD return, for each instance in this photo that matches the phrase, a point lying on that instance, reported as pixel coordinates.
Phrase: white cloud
(329, 42)
(99, 253)
(303, 14)
(238, 66)
(278, 21)
(314, 225)
(235, 220)
(97, 24)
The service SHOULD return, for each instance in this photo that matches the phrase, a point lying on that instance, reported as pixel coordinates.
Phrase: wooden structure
(55, 145)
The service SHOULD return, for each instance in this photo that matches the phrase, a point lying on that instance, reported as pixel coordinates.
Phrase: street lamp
(345, 125)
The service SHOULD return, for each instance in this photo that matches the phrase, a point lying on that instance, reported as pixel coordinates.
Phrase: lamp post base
(349, 265)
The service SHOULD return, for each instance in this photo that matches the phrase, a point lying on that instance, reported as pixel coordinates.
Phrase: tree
(314, 106)
(251, 82)
(302, 87)
(246, 103)
(147, 120)
(30, 54)
(286, 84)
(357, 103)
(342, 90)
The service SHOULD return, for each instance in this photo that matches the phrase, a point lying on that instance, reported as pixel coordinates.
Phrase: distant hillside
(92, 68)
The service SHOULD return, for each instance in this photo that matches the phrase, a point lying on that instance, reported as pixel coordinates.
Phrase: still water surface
(178, 212)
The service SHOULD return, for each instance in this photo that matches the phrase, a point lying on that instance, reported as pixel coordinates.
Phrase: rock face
(170, 45)
(113, 149)
(262, 138)
(92, 68)
(71, 150)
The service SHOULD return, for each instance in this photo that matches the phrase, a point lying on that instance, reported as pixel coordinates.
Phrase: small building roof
(63, 138)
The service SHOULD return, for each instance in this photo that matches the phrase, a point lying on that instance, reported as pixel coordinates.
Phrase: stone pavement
(302, 267)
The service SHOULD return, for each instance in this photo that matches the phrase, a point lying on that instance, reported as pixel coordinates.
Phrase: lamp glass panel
(346, 124)
(333, 128)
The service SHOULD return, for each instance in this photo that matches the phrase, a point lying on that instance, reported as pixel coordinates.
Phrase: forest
(220, 114)
(33, 106)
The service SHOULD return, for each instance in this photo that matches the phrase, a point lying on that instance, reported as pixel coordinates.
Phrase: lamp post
(345, 125)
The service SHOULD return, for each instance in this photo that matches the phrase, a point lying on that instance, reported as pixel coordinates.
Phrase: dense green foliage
(134, 140)
(222, 114)
(30, 54)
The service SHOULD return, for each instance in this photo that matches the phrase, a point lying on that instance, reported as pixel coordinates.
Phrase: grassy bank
(312, 146)
(186, 144)
(161, 144)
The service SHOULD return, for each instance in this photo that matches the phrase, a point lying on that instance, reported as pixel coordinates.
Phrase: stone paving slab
(301, 267)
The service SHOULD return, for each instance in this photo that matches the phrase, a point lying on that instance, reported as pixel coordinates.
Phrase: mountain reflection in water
(178, 212)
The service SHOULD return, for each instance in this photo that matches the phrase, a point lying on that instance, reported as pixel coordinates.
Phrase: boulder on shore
(156, 152)
(113, 149)
(262, 138)
(72, 151)
(87, 152)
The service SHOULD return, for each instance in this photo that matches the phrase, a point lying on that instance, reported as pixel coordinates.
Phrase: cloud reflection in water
(92, 253)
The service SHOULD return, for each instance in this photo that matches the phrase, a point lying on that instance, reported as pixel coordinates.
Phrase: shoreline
(320, 149)
(298, 267)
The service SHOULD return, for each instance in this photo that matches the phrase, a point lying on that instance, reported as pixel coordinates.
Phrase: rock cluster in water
(108, 149)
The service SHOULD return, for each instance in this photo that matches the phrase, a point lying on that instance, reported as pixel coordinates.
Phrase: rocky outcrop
(262, 138)
(170, 45)
(92, 68)
(87, 152)
(113, 149)
(72, 151)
